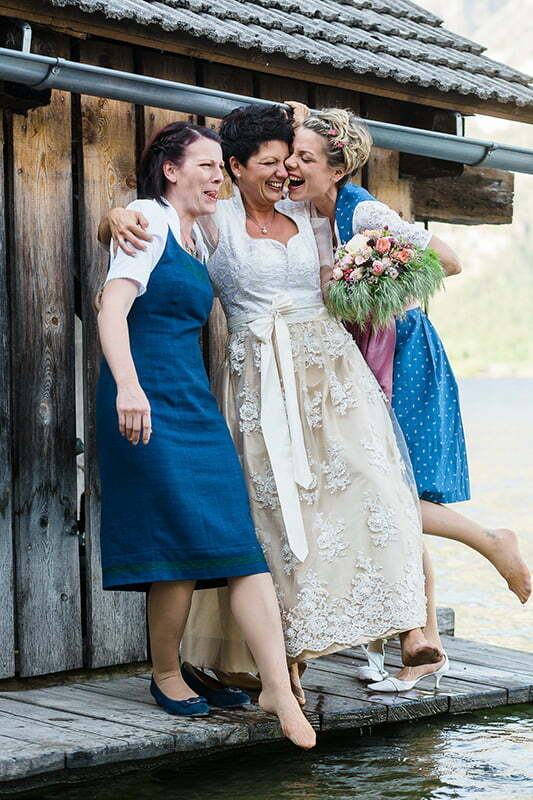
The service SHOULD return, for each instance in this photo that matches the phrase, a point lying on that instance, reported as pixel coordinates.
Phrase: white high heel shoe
(375, 671)
(392, 684)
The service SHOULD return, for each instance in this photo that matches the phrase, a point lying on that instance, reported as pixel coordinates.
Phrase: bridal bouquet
(376, 275)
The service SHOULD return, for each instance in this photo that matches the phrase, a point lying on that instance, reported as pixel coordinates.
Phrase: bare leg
(431, 630)
(499, 546)
(169, 603)
(296, 670)
(255, 607)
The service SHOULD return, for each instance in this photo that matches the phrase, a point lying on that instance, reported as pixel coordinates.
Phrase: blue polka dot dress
(425, 400)
(425, 396)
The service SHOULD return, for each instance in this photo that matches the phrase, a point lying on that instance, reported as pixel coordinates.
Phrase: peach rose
(403, 255)
(383, 245)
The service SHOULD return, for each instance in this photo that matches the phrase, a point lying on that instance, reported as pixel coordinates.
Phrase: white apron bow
(280, 415)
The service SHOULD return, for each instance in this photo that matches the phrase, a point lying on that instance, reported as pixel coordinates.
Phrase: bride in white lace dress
(330, 494)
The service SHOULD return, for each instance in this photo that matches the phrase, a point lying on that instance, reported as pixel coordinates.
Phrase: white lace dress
(329, 492)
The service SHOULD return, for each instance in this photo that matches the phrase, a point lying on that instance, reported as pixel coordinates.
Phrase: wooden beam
(479, 196)
(116, 631)
(42, 292)
(73, 22)
(7, 630)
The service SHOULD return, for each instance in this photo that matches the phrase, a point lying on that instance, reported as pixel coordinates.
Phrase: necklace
(263, 228)
(191, 249)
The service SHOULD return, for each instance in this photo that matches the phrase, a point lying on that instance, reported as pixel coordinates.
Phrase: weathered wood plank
(500, 658)
(132, 705)
(272, 87)
(7, 624)
(338, 677)
(116, 629)
(79, 723)
(479, 196)
(47, 563)
(85, 749)
(24, 759)
(169, 68)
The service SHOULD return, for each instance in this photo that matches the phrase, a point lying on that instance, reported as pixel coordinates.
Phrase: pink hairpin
(332, 132)
(338, 144)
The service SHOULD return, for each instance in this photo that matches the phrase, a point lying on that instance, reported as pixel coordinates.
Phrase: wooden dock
(70, 732)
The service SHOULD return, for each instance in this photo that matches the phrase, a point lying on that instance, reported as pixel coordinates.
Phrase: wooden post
(239, 81)
(383, 168)
(42, 291)
(385, 184)
(116, 629)
(7, 633)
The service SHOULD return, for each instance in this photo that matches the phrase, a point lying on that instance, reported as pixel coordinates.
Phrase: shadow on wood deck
(53, 734)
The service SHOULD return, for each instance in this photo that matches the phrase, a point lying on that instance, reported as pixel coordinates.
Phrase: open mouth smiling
(276, 185)
(295, 181)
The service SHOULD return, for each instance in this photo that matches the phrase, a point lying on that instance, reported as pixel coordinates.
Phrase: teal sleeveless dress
(177, 508)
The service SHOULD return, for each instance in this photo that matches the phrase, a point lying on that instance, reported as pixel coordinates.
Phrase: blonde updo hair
(347, 139)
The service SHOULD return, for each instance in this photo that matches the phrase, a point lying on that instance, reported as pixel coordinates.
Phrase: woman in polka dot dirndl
(408, 359)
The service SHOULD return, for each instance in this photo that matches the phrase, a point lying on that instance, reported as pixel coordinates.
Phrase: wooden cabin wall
(115, 621)
(65, 164)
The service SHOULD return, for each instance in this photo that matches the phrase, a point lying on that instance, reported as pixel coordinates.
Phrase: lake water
(485, 755)
(498, 421)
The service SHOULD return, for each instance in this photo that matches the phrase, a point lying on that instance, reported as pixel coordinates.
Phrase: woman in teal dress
(175, 513)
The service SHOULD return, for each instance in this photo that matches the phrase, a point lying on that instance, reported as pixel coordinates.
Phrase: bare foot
(293, 723)
(416, 649)
(173, 685)
(412, 673)
(503, 552)
(295, 672)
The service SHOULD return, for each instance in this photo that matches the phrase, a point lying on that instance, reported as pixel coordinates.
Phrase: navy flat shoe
(193, 707)
(225, 697)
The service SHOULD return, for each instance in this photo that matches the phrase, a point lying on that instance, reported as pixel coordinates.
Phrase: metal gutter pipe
(44, 72)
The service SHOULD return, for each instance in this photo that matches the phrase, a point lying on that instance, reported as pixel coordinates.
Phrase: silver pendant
(264, 230)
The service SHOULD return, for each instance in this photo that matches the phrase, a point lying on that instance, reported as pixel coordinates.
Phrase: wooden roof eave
(73, 22)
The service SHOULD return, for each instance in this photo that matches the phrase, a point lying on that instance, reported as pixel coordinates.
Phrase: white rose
(337, 273)
(356, 243)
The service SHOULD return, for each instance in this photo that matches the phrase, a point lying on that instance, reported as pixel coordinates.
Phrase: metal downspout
(43, 72)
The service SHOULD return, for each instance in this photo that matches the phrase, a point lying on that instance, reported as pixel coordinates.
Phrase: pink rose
(383, 245)
(356, 274)
(386, 261)
(337, 273)
(347, 260)
(377, 267)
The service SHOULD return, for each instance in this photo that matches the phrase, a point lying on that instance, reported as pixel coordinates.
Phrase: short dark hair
(168, 144)
(245, 129)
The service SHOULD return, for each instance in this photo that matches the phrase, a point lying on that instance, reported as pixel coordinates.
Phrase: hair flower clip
(332, 132)
(338, 143)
